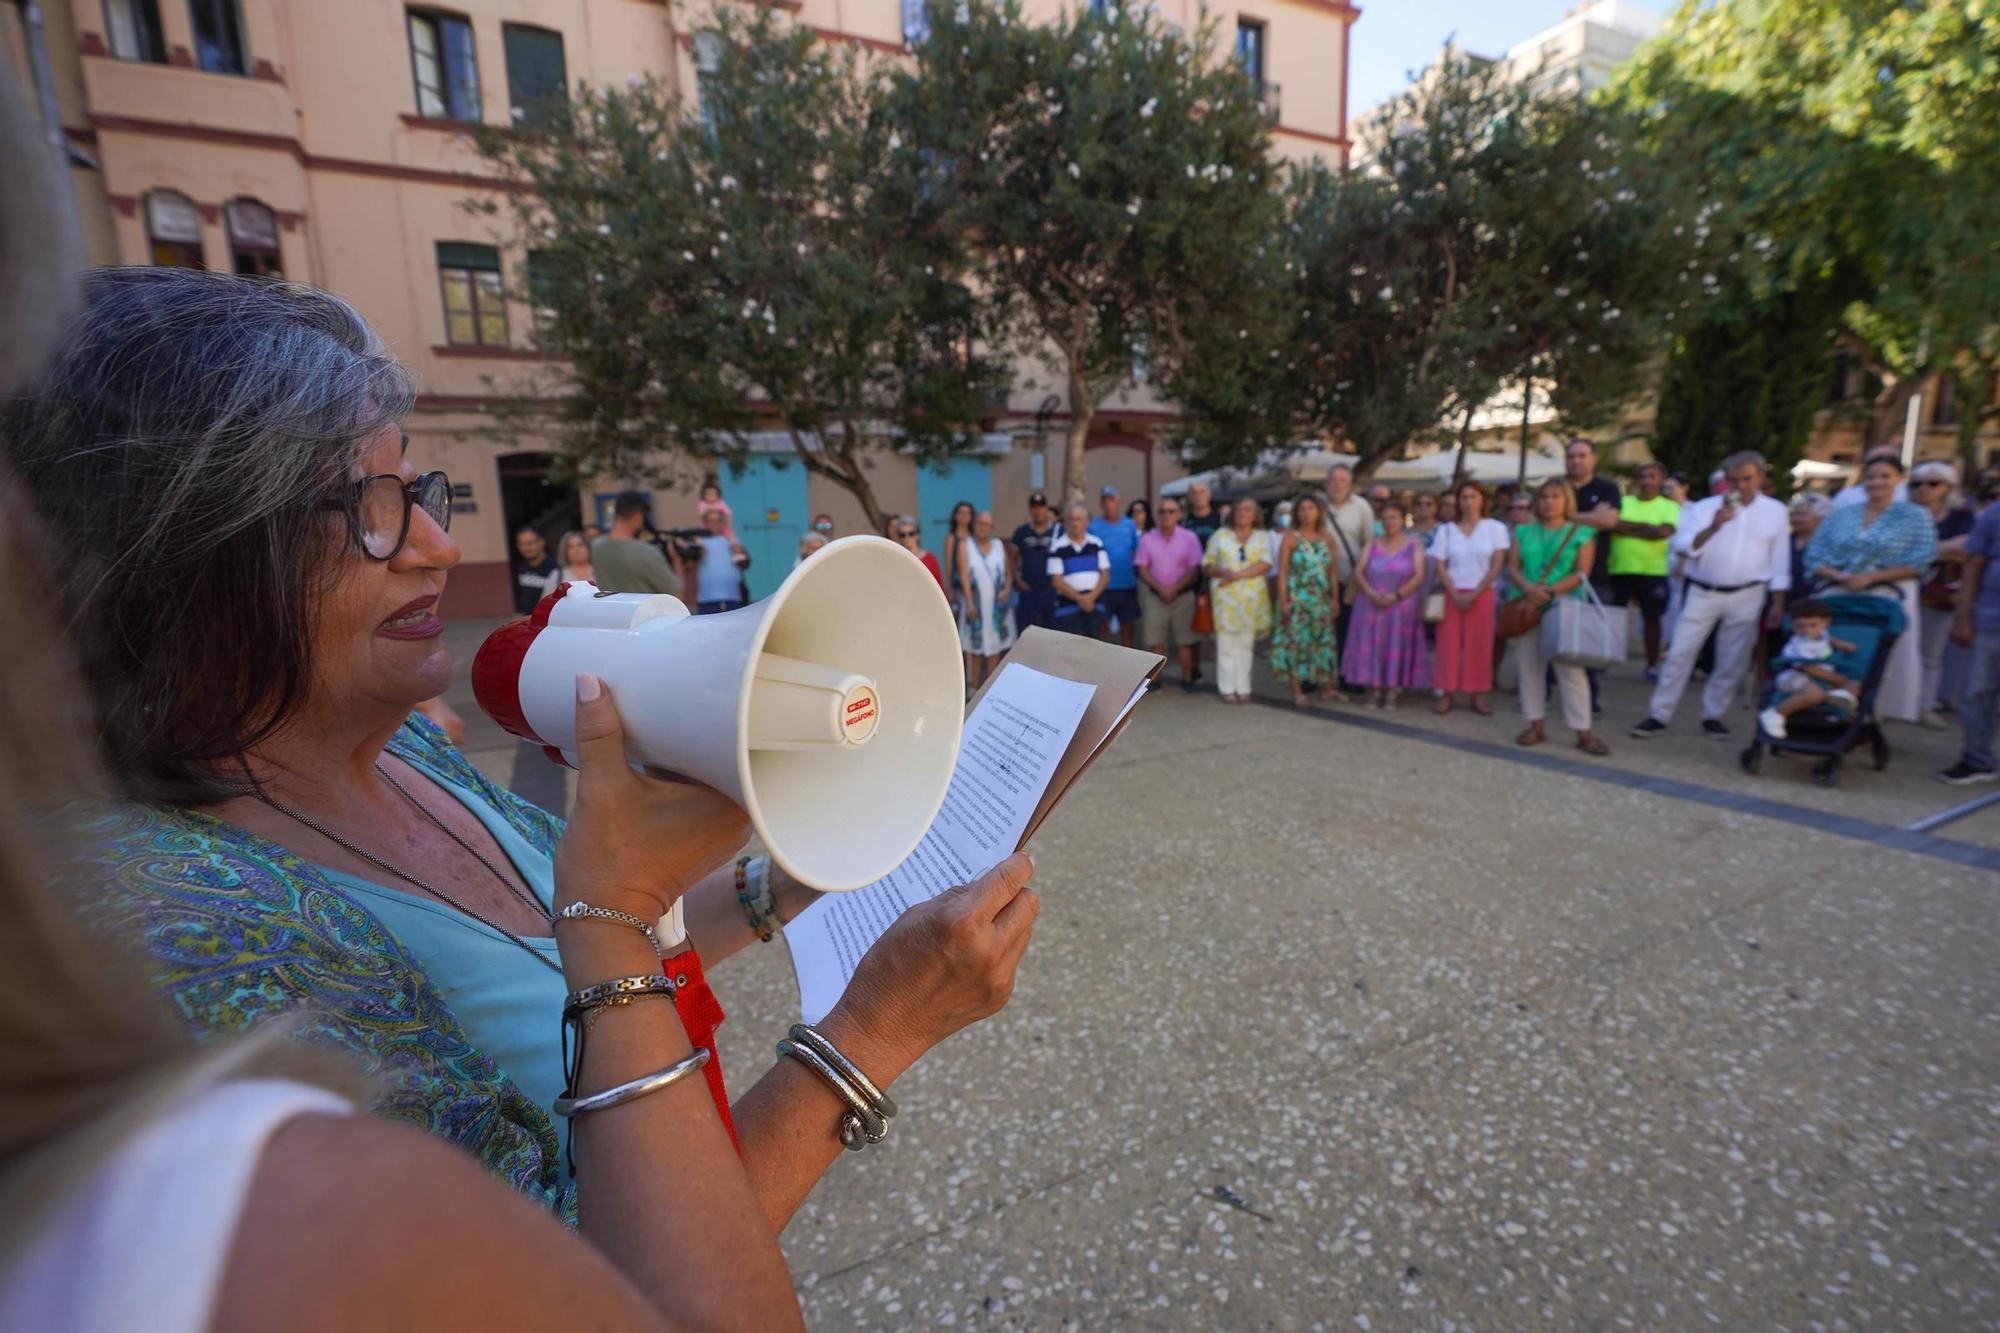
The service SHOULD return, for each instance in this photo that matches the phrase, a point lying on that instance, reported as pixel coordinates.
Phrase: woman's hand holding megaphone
(944, 965)
(635, 843)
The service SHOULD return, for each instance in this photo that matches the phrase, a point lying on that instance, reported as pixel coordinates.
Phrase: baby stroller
(1872, 625)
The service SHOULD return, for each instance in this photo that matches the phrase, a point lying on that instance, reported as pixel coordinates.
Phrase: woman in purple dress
(1385, 641)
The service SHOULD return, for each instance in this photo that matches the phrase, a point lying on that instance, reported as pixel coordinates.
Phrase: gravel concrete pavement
(1364, 1022)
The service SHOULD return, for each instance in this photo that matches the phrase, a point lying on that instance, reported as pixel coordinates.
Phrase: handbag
(1434, 599)
(1521, 614)
(1585, 632)
(1204, 615)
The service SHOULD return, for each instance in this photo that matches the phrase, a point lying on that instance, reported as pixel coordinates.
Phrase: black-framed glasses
(380, 510)
(906, 532)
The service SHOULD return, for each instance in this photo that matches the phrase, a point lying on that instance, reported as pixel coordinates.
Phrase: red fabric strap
(701, 1014)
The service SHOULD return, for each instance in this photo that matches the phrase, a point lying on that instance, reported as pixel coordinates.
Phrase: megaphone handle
(701, 1013)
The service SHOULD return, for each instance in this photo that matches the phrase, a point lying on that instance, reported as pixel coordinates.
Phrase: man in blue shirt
(1120, 538)
(1977, 626)
(718, 578)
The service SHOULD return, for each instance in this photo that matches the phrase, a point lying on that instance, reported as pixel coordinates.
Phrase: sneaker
(1650, 728)
(1934, 719)
(1962, 774)
(1773, 723)
(1188, 687)
(1713, 729)
(1652, 675)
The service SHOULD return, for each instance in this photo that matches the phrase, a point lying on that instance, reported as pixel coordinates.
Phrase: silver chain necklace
(404, 875)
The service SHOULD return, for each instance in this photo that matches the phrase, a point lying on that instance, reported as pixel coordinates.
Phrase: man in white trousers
(1739, 554)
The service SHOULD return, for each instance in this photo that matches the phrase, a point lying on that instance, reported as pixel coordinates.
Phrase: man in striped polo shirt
(1078, 571)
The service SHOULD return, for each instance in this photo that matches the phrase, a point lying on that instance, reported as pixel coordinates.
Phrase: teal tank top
(508, 1004)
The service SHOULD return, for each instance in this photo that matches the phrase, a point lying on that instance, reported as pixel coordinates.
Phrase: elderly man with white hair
(1739, 555)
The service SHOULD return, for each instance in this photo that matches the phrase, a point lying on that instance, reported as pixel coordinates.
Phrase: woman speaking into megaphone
(253, 564)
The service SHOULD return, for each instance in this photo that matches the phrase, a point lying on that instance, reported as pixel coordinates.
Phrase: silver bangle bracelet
(632, 1091)
(859, 1125)
(808, 1035)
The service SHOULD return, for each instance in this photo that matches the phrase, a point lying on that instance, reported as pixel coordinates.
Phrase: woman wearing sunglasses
(253, 572)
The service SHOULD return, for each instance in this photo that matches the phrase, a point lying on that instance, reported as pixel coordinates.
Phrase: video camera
(680, 545)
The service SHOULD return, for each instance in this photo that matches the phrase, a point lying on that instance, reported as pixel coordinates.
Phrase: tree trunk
(843, 469)
(1527, 405)
(1082, 411)
(1458, 464)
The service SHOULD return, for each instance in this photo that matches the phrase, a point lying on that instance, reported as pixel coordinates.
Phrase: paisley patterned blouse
(240, 930)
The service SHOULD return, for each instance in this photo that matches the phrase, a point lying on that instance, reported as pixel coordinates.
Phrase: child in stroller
(1845, 676)
(1808, 674)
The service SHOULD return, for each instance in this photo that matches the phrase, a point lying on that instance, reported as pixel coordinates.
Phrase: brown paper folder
(1118, 673)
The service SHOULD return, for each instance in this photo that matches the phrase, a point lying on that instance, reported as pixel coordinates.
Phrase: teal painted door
(939, 491)
(768, 501)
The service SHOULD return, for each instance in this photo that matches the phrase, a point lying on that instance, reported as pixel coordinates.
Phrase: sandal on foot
(1484, 710)
(1532, 736)
(1592, 745)
(1441, 707)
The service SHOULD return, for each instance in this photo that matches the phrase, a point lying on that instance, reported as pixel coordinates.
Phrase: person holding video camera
(624, 560)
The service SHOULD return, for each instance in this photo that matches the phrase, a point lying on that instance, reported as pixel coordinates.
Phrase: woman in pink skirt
(1471, 553)
(1385, 639)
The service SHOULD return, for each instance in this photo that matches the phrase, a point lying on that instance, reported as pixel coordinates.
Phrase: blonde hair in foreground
(88, 1050)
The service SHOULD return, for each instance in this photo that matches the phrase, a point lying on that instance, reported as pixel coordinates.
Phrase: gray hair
(185, 443)
(1743, 458)
(1811, 502)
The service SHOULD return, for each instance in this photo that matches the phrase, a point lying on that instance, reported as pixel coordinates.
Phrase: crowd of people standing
(1371, 597)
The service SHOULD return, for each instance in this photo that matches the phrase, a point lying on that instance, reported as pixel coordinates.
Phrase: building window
(536, 81)
(173, 230)
(538, 279)
(133, 27)
(475, 304)
(253, 238)
(1250, 49)
(218, 36)
(1945, 411)
(707, 64)
(447, 71)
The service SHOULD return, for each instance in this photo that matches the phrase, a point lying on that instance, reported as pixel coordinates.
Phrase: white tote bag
(1584, 633)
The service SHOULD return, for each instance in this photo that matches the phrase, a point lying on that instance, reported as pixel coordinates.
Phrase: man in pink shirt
(1168, 562)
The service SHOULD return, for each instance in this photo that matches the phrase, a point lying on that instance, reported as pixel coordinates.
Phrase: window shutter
(172, 217)
(535, 73)
(463, 254)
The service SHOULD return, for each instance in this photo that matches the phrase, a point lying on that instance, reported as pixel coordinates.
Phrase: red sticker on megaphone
(858, 718)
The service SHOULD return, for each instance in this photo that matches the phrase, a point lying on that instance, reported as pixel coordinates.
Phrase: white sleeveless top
(144, 1245)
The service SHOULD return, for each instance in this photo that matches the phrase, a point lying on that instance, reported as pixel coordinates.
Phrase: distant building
(1579, 53)
(325, 140)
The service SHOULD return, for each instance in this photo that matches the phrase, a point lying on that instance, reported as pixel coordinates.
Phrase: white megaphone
(830, 711)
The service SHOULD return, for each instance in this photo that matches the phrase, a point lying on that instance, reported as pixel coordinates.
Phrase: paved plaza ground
(1369, 1020)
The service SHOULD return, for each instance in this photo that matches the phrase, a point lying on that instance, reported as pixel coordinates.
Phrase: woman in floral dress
(1238, 558)
(1385, 640)
(1303, 649)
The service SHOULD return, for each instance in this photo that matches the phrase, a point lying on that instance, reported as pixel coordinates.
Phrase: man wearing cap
(1120, 538)
(1031, 564)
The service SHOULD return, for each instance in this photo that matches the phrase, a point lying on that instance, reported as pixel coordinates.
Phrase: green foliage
(1499, 236)
(1752, 375)
(770, 257)
(1111, 176)
(1858, 137)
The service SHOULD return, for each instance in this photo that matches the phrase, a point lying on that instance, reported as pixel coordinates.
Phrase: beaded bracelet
(760, 908)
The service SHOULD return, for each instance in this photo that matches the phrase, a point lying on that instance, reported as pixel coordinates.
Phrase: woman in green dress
(1302, 650)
